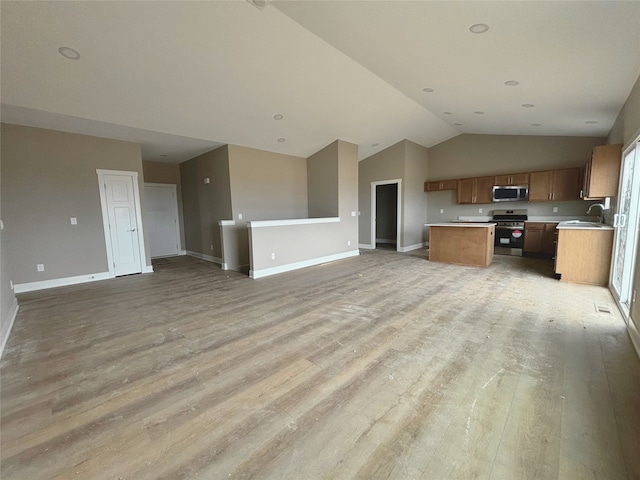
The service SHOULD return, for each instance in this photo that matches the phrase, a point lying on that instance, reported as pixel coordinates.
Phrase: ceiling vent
(259, 4)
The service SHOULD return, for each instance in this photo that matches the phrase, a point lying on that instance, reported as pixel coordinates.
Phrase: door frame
(634, 145)
(174, 191)
(105, 218)
(374, 185)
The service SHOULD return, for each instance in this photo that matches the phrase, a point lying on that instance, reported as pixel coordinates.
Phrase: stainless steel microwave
(510, 193)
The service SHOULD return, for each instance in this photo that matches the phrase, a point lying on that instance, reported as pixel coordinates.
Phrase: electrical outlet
(211, 247)
(633, 299)
(348, 243)
(555, 209)
(442, 210)
(40, 267)
(479, 210)
(207, 180)
(273, 256)
(239, 216)
(11, 284)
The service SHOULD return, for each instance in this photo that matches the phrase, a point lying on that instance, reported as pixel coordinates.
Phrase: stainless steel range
(509, 239)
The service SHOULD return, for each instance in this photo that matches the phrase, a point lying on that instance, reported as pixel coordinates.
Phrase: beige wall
(266, 185)
(322, 185)
(477, 155)
(415, 200)
(169, 173)
(48, 177)
(205, 204)
(385, 165)
(300, 243)
(7, 298)
(625, 130)
(406, 161)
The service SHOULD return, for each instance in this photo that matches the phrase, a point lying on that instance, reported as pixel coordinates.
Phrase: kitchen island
(462, 243)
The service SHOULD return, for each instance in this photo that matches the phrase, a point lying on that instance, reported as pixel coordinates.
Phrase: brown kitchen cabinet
(602, 173)
(512, 179)
(540, 237)
(555, 185)
(440, 185)
(584, 255)
(475, 190)
(462, 244)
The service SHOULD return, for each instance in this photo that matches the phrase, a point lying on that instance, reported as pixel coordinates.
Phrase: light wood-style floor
(379, 366)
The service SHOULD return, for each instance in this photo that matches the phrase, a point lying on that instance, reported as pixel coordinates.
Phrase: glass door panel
(626, 225)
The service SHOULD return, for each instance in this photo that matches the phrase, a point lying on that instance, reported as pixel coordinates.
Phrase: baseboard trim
(366, 246)
(147, 269)
(412, 247)
(13, 313)
(634, 334)
(265, 272)
(182, 252)
(392, 241)
(59, 282)
(202, 256)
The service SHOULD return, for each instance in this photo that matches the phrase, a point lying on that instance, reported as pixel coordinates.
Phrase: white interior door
(161, 216)
(124, 224)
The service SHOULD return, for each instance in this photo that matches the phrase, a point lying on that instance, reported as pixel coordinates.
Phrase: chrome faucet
(602, 208)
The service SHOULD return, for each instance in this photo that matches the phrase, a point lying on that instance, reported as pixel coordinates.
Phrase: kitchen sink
(583, 223)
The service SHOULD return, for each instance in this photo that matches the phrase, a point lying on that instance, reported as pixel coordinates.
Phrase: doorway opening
(386, 214)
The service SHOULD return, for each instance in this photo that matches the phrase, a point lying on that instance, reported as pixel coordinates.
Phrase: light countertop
(460, 224)
(572, 225)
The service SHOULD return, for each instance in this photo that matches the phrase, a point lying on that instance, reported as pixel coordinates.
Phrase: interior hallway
(379, 366)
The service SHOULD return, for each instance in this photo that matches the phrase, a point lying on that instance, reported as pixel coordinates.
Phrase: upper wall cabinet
(440, 185)
(513, 179)
(555, 185)
(603, 172)
(475, 190)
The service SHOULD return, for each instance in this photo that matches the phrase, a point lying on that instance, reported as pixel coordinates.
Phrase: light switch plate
(555, 209)
(239, 216)
(74, 221)
(207, 180)
(40, 267)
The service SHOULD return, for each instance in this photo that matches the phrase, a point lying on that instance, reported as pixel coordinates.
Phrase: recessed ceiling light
(447, 113)
(69, 53)
(375, 144)
(427, 89)
(280, 140)
(528, 105)
(536, 124)
(512, 83)
(590, 122)
(277, 116)
(478, 28)
(458, 124)
(479, 113)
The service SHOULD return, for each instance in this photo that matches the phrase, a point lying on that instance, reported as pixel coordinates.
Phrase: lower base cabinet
(584, 255)
(540, 237)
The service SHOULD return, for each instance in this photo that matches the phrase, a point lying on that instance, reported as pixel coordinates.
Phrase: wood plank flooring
(382, 366)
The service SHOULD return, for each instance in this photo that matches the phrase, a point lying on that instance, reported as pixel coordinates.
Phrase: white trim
(226, 223)
(397, 181)
(60, 282)
(294, 221)
(147, 269)
(13, 313)
(635, 335)
(366, 246)
(202, 256)
(265, 272)
(412, 247)
(182, 252)
(105, 219)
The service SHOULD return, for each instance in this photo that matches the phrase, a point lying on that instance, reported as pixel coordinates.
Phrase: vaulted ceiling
(184, 77)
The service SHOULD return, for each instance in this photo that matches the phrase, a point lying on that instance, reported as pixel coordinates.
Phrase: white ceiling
(184, 77)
